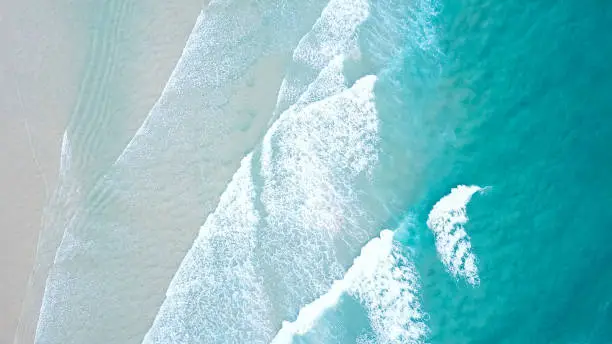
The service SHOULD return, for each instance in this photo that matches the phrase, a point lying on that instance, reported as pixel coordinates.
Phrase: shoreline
(35, 101)
(52, 53)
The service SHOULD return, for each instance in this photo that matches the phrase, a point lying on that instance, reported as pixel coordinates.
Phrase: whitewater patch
(312, 162)
(390, 294)
(384, 280)
(345, 118)
(446, 220)
(294, 201)
(333, 34)
(330, 81)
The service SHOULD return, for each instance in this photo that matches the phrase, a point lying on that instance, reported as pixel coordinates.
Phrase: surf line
(385, 282)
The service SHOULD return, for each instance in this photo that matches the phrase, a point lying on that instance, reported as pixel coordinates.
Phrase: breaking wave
(385, 282)
(446, 220)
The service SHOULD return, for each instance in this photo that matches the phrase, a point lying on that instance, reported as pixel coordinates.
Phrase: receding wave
(333, 34)
(141, 216)
(446, 221)
(216, 295)
(301, 209)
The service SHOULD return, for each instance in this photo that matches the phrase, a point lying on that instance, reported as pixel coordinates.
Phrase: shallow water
(139, 217)
(416, 172)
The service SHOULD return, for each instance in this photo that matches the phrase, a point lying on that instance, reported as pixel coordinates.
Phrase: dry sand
(44, 57)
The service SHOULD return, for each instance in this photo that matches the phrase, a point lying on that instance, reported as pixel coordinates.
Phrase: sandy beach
(48, 55)
(38, 87)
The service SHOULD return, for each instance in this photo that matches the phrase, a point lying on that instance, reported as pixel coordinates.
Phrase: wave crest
(446, 221)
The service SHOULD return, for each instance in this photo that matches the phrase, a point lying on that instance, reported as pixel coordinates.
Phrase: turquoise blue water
(536, 129)
(432, 172)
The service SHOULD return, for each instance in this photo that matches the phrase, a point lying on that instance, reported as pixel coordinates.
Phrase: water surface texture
(357, 171)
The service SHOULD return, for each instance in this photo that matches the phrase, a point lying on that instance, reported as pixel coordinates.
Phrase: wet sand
(42, 79)
(37, 90)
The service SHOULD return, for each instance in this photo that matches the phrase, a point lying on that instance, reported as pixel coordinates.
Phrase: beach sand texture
(68, 63)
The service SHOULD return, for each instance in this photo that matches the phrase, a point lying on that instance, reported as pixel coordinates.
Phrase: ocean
(353, 171)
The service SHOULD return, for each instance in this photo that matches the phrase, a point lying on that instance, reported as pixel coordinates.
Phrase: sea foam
(333, 34)
(446, 221)
(281, 233)
(383, 279)
(312, 164)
